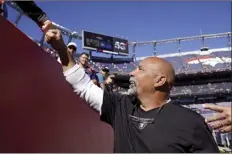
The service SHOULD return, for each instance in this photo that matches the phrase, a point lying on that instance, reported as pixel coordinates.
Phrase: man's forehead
(146, 62)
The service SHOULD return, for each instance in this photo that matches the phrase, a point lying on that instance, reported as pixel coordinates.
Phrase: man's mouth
(132, 82)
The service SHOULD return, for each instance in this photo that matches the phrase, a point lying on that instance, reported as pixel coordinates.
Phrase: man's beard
(132, 91)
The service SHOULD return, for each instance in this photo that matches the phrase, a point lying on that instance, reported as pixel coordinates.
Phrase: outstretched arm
(74, 74)
(35, 13)
(54, 38)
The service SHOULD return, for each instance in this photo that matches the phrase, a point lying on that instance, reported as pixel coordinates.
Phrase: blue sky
(139, 21)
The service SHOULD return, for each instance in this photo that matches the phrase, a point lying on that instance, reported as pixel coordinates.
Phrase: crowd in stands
(100, 75)
(98, 68)
(190, 63)
(193, 63)
(210, 88)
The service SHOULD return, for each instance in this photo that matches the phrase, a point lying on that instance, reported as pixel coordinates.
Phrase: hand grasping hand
(46, 26)
(54, 38)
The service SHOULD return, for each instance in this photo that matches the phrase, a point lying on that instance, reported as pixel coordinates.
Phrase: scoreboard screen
(121, 46)
(105, 44)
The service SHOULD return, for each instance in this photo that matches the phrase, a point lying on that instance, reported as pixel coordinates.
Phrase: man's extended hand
(46, 26)
(221, 120)
(54, 38)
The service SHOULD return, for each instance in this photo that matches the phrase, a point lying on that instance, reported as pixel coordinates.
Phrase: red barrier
(39, 113)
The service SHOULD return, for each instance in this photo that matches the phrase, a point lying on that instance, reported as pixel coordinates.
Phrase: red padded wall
(39, 113)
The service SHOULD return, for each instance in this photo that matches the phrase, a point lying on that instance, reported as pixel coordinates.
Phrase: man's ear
(159, 81)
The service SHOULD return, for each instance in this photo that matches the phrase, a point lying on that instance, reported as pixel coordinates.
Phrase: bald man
(146, 120)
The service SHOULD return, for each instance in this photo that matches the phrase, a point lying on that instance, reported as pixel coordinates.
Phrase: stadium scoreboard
(104, 44)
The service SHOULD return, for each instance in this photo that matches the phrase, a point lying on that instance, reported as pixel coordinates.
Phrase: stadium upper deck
(199, 61)
(184, 62)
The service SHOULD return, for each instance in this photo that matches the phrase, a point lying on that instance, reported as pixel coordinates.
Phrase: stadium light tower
(179, 50)
(178, 44)
(229, 39)
(203, 41)
(154, 48)
(71, 36)
(133, 50)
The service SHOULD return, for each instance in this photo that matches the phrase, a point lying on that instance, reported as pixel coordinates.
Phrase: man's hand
(46, 26)
(54, 38)
(221, 120)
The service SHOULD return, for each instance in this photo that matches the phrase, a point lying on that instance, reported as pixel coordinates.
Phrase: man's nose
(132, 73)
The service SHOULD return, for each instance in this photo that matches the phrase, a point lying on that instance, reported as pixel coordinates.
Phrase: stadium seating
(194, 62)
(209, 88)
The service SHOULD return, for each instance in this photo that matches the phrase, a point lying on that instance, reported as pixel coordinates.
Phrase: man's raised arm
(73, 73)
(35, 13)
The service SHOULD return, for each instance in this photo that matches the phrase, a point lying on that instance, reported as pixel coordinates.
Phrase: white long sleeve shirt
(84, 87)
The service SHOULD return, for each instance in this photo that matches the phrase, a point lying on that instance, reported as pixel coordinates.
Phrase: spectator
(147, 121)
(72, 49)
(109, 83)
(102, 75)
(84, 63)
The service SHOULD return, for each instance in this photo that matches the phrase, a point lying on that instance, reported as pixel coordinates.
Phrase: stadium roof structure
(182, 39)
(199, 52)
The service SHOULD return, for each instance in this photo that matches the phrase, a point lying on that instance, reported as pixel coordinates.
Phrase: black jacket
(32, 11)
